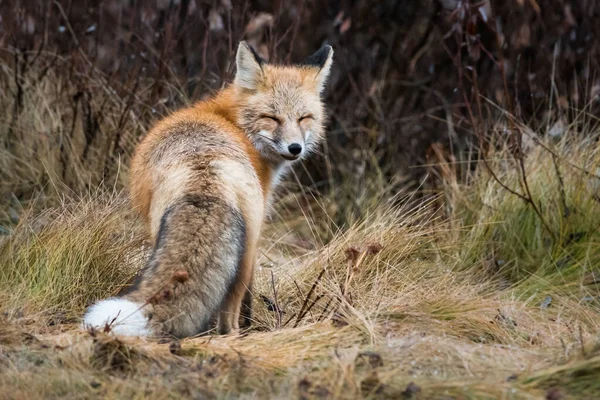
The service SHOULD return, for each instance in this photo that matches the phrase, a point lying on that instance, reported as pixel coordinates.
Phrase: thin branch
(277, 309)
(310, 292)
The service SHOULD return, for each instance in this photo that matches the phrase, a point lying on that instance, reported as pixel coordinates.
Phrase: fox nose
(295, 148)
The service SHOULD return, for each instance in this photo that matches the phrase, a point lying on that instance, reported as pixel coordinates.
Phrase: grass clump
(555, 248)
(575, 376)
(60, 260)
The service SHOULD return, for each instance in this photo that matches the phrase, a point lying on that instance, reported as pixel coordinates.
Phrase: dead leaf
(175, 348)
(352, 254)
(522, 37)
(570, 20)
(338, 18)
(259, 23)
(345, 25)
(374, 248)
(554, 394)
(535, 6)
(215, 21)
(411, 391)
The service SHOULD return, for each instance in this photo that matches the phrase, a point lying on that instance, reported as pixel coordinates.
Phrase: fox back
(202, 179)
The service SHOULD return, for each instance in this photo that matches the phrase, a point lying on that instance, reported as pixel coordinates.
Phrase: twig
(561, 188)
(277, 309)
(310, 292)
(301, 295)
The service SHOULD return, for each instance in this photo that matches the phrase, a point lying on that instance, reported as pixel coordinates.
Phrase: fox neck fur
(226, 106)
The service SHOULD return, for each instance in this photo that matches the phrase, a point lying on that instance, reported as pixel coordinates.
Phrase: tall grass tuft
(537, 252)
(63, 258)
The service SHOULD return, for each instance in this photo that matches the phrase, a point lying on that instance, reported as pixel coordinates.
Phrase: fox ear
(249, 67)
(322, 59)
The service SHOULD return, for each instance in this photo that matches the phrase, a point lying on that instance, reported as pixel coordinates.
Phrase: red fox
(202, 180)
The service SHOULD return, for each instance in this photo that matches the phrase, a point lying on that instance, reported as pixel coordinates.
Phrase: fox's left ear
(249, 67)
(322, 59)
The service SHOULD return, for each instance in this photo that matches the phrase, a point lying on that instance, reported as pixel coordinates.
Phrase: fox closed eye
(305, 117)
(270, 117)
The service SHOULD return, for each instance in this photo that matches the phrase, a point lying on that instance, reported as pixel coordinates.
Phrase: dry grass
(60, 260)
(466, 295)
(55, 133)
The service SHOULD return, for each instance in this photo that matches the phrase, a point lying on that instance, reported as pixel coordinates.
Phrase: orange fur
(218, 112)
(205, 175)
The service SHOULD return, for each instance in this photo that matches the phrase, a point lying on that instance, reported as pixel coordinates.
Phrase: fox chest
(242, 189)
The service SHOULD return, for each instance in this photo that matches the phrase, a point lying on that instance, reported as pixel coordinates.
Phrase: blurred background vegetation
(82, 81)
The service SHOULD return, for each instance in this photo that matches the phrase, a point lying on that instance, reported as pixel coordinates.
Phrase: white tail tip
(129, 320)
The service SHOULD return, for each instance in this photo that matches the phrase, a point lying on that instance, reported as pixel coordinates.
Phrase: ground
(470, 292)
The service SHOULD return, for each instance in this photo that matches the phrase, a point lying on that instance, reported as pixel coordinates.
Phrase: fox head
(280, 107)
